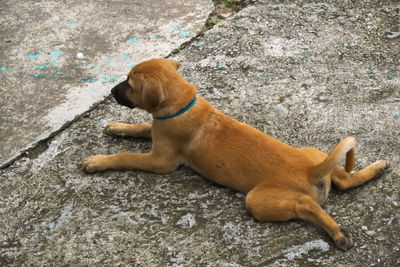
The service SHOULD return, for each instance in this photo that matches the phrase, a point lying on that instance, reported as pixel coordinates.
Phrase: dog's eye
(129, 84)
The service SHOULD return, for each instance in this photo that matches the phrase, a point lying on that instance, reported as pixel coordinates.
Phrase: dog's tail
(346, 147)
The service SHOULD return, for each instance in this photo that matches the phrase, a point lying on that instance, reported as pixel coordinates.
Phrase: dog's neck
(180, 98)
(180, 112)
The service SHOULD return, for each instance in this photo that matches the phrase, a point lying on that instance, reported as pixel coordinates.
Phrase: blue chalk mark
(109, 57)
(198, 43)
(184, 32)
(43, 66)
(280, 108)
(392, 73)
(397, 116)
(34, 56)
(154, 37)
(179, 25)
(76, 67)
(3, 68)
(56, 54)
(132, 39)
(370, 70)
(72, 21)
(125, 57)
(36, 75)
(307, 53)
(109, 79)
(58, 72)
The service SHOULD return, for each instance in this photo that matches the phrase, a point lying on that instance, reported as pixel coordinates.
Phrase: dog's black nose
(119, 92)
(114, 90)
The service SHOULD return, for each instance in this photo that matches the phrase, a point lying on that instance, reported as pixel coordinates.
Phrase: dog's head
(152, 85)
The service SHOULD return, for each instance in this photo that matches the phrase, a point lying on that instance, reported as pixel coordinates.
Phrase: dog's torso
(232, 153)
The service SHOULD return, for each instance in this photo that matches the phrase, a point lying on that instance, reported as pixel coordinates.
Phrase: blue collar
(191, 104)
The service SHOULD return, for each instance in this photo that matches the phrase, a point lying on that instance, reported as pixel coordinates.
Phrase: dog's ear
(152, 93)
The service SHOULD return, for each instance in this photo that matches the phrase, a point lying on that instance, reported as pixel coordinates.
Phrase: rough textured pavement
(306, 73)
(59, 58)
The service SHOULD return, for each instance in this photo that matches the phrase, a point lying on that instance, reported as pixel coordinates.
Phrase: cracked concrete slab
(59, 58)
(306, 73)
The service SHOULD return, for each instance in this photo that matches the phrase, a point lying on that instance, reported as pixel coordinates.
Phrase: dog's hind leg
(345, 180)
(273, 204)
(126, 129)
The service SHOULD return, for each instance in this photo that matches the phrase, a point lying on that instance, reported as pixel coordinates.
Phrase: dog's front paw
(96, 163)
(344, 241)
(116, 128)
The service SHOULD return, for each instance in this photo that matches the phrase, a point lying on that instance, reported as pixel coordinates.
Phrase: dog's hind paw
(382, 164)
(344, 241)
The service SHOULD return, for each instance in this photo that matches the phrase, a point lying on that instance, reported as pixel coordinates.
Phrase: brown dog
(281, 182)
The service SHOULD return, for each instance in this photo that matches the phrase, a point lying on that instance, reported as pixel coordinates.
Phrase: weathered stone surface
(59, 58)
(306, 73)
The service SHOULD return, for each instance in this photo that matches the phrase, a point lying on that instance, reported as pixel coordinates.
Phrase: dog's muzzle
(120, 94)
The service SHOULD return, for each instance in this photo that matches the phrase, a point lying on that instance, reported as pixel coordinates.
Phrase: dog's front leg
(126, 129)
(152, 162)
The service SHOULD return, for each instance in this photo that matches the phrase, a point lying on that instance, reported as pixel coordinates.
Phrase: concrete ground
(306, 73)
(59, 58)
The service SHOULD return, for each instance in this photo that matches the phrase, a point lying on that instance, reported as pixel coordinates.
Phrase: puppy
(280, 182)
